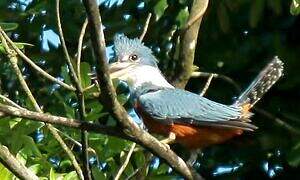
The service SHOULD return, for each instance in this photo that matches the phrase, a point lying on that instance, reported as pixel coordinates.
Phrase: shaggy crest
(126, 46)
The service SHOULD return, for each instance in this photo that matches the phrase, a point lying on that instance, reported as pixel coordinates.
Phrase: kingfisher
(181, 116)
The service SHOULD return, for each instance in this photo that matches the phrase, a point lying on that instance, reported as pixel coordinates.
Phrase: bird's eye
(133, 57)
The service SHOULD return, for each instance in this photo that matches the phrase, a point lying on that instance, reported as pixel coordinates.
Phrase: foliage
(236, 39)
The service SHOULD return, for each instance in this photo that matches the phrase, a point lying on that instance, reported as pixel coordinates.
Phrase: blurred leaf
(14, 122)
(22, 156)
(9, 26)
(256, 12)
(139, 158)
(65, 74)
(295, 7)
(160, 8)
(294, 156)
(276, 6)
(85, 70)
(97, 173)
(223, 18)
(163, 169)
(35, 168)
(182, 17)
(94, 109)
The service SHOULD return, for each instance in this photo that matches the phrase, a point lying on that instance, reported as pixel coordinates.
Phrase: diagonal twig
(122, 168)
(145, 27)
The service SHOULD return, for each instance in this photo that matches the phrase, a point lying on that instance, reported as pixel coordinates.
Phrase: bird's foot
(193, 157)
(170, 139)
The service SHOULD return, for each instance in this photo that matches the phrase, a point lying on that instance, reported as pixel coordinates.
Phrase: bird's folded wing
(180, 106)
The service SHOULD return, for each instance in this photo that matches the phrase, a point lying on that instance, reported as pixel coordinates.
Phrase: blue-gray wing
(180, 106)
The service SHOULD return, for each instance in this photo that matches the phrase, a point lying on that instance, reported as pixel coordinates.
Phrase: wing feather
(180, 106)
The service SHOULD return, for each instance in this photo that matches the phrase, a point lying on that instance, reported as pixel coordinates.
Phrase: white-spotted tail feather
(261, 84)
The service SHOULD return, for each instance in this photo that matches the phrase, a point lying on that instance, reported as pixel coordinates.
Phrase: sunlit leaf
(5, 174)
(71, 176)
(295, 7)
(160, 8)
(85, 70)
(9, 26)
(35, 168)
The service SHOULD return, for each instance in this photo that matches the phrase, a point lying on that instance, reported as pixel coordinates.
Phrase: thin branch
(11, 54)
(145, 27)
(33, 65)
(122, 168)
(207, 84)
(219, 76)
(79, 49)
(75, 141)
(277, 120)
(188, 42)
(14, 165)
(79, 93)
(63, 43)
(10, 102)
(108, 96)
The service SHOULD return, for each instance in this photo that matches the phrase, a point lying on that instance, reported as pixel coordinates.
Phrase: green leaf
(295, 7)
(139, 158)
(14, 122)
(97, 173)
(85, 70)
(65, 74)
(35, 168)
(94, 112)
(182, 17)
(5, 174)
(160, 8)
(163, 169)
(9, 26)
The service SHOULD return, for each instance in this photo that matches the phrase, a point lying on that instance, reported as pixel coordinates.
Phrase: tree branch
(108, 95)
(67, 122)
(14, 165)
(12, 56)
(188, 44)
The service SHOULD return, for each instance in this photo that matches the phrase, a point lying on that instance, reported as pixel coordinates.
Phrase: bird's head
(135, 63)
(133, 51)
(130, 53)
